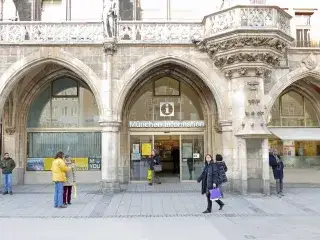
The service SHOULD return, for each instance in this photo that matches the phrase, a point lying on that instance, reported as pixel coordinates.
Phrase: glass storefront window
(184, 100)
(140, 150)
(76, 144)
(292, 104)
(192, 155)
(293, 110)
(64, 103)
(297, 154)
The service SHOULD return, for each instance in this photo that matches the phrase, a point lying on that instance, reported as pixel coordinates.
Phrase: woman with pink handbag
(210, 179)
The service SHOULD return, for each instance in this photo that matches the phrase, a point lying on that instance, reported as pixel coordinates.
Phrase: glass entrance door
(181, 155)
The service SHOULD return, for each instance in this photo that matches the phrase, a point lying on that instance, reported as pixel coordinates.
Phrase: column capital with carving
(110, 47)
(226, 125)
(110, 126)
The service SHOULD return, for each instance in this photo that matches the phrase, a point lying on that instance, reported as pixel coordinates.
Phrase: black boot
(209, 207)
(221, 204)
(5, 193)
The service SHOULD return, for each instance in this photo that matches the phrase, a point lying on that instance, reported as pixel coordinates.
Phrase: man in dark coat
(277, 166)
(7, 165)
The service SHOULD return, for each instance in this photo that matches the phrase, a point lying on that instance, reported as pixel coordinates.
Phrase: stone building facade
(229, 70)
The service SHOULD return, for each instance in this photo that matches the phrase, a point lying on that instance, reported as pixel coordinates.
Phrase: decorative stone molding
(310, 62)
(110, 126)
(251, 71)
(109, 47)
(266, 58)
(226, 126)
(241, 42)
(10, 130)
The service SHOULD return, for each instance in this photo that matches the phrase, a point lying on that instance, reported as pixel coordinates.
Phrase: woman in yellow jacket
(59, 169)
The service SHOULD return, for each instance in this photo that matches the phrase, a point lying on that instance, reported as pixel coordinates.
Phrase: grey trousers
(155, 178)
(279, 185)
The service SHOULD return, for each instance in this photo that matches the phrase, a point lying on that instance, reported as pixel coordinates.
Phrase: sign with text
(35, 164)
(94, 164)
(167, 109)
(166, 124)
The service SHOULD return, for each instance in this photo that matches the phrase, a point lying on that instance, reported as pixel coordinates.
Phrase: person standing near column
(59, 170)
(71, 180)
(7, 165)
(277, 166)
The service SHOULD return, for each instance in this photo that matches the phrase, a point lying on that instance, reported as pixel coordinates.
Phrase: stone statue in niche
(109, 16)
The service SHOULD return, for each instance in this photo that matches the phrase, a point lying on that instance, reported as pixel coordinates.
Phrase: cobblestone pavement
(168, 211)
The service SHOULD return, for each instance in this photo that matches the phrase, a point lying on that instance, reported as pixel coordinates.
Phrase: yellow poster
(47, 162)
(146, 149)
(81, 164)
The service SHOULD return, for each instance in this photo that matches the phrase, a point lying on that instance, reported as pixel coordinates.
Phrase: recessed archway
(216, 83)
(143, 91)
(294, 121)
(19, 87)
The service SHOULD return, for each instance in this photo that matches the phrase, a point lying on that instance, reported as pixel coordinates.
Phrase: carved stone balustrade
(159, 32)
(247, 17)
(246, 40)
(51, 32)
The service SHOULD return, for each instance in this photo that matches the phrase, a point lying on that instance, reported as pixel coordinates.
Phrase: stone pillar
(265, 167)
(110, 156)
(110, 128)
(106, 87)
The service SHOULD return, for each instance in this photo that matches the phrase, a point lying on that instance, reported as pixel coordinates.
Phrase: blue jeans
(7, 182)
(58, 194)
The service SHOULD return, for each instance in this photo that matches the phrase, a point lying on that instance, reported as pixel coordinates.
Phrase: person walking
(210, 178)
(7, 165)
(277, 166)
(59, 170)
(154, 160)
(223, 169)
(70, 182)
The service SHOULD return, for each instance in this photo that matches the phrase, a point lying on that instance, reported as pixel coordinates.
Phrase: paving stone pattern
(140, 200)
(140, 207)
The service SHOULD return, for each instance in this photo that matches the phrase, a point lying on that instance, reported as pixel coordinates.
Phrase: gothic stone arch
(286, 81)
(50, 55)
(216, 83)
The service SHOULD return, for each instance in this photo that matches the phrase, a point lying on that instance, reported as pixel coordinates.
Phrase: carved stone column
(247, 59)
(110, 157)
(110, 128)
(106, 86)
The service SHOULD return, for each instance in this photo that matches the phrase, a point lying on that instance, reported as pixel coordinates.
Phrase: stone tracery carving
(267, 58)
(310, 62)
(109, 47)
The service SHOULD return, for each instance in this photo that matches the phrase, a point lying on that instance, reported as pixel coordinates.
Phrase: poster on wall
(146, 149)
(135, 148)
(94, 164)
(81, 164)
(187, 150)
(35, 164)
(135, 156)
(288, 148)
